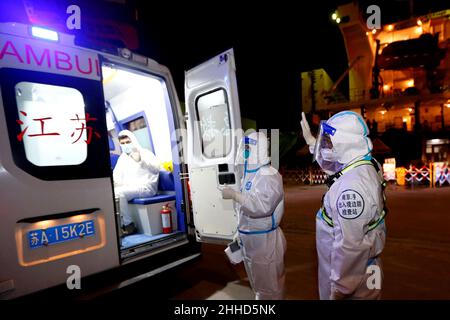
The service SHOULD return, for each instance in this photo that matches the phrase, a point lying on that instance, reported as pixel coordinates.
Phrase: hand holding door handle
(230, 193)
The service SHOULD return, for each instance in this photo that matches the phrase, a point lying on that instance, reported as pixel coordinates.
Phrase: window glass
(214, 118)
(53, 124)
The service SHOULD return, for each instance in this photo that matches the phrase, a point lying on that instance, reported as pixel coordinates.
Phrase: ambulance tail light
(43, 33)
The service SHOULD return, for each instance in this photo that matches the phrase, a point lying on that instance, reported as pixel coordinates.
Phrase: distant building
(398, 75)
(315, 85)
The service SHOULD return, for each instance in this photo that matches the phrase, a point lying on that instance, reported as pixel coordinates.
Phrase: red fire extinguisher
(166, 215)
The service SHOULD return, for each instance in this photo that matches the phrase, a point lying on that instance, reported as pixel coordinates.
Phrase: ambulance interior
(140, 103)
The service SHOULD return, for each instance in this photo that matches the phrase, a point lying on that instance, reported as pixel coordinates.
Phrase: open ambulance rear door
(213, 136)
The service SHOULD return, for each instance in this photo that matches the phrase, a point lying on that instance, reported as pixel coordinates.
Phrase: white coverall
(349, 248)
(133, 179)
(260, 207)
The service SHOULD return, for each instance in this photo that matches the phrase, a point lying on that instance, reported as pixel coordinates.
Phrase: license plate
(44, 237)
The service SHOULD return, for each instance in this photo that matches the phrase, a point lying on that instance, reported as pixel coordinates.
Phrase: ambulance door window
(213, 115)
(56, 125)
(47, 129)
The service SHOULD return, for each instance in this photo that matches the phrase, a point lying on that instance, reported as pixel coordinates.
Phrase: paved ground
(416, 258)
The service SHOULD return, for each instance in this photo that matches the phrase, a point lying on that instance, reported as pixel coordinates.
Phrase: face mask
(329, 155)
(127, 148)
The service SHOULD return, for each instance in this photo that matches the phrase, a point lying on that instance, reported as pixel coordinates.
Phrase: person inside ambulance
(350, 228)
(135, 175)
(260, 207)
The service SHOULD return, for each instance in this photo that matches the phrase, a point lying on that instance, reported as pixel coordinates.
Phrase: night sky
(273, 42)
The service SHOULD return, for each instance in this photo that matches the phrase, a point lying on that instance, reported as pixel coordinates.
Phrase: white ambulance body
(61, 108)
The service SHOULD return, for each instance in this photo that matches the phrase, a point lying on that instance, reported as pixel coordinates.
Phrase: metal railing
(433, 175)
(419, 176)
(357, 95)
(309, 176)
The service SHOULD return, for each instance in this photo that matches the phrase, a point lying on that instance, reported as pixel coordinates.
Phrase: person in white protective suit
(260, 207)
(350, 227)
(135, 175)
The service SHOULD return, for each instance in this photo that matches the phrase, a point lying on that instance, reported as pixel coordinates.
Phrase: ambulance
(61, 109)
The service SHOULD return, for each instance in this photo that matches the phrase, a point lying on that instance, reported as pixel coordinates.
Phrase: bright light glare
(334, 16)
(338, 20)
(42, 33)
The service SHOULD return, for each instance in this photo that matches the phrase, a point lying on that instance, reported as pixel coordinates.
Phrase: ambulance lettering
(21, 54)
(45, 54)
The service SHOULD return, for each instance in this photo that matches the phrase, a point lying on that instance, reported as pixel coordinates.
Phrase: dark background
(273, 41)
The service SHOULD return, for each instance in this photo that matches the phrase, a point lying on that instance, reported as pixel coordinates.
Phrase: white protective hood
(350, 141)
(136, 179)
(132, 137)
(259, 147)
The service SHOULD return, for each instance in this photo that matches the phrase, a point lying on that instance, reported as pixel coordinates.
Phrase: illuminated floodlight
(334, 16)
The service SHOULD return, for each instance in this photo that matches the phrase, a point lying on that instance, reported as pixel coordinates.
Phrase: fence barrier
(304, 176)
(419, 176)
(434, 175)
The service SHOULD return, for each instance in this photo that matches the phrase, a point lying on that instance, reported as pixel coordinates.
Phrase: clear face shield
(247, 148)
(244, 155)
(324, 152)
